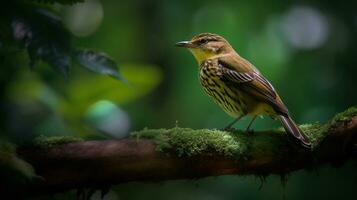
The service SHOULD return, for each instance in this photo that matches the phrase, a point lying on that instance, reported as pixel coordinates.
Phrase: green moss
(316, 132)
(43, 141)
(236, 144)
(346, 115)
(189, 142)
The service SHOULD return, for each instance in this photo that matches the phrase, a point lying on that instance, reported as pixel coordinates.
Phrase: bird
(236, 85)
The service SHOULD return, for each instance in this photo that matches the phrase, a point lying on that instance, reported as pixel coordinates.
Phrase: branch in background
(179, 153)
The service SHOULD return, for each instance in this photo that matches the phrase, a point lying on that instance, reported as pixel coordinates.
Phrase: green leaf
(13, 170)
(45, 38)
(98, 62)
(143, 79)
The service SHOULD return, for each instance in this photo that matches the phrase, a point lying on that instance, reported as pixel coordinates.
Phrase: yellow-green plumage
(228, 99)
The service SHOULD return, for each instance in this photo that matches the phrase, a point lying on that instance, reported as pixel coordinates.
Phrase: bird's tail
(293, 129)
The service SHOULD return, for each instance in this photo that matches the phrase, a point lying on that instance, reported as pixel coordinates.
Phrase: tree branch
(178, 153)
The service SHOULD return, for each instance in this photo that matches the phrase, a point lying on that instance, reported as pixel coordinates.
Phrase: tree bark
(95, 164)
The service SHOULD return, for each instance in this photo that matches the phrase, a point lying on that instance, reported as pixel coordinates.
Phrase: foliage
(41, 32)
(97, 62)
(13, 170)
(32, 32)
(43, 35)
(46, 142)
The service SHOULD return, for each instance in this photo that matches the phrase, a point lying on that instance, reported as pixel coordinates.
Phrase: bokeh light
(305, 27)
(83, 19)
(108, 118)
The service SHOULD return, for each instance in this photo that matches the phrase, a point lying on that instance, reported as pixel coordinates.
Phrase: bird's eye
(203, 41)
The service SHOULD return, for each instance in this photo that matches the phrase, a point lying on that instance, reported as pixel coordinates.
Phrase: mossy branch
(181, 153)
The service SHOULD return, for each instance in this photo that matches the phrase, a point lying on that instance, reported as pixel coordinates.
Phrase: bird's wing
(252, 83)
(237, 77)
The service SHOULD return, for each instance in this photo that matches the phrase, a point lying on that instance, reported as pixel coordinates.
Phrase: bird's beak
(185, 44)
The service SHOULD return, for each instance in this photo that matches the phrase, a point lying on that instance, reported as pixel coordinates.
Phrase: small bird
(236, 85)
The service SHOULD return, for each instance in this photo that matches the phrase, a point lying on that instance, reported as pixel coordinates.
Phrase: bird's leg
(232, 123)
(248, 130)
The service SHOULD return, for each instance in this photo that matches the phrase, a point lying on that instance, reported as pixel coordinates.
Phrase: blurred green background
(306, 49)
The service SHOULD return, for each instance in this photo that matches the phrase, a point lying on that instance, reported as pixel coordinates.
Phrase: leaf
(143, 79)
(45, 38)
(52, 54)
(13, 170)
(21, 31)
(97, 61)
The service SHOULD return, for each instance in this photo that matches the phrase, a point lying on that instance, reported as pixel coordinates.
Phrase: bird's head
(206, 45)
